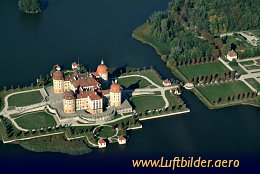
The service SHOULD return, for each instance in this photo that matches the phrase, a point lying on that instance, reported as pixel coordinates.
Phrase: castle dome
(69, 95)
(57, 75)
(102, 69)
(115, 87)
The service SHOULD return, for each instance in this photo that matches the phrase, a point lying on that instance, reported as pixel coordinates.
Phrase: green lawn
(254, 83)
(142, 33)
(237, 68)
(171, 99)
(106, 132)
(252, 67)
(203, 69)
(213, 92)
(147, 102)
(35, 120)
(133, 82)
(149, 73)
(249, 62)
(25, 99)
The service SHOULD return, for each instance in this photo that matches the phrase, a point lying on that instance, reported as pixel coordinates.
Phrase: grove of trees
(190, 28)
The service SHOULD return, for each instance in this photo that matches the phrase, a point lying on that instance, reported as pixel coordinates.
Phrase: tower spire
(78, 67)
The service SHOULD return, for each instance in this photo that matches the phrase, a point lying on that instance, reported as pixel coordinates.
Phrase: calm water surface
(91, 30)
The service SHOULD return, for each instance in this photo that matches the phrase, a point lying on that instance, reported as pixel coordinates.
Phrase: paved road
(249, 38)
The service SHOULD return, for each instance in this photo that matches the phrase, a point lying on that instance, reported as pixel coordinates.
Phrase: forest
(191, 29)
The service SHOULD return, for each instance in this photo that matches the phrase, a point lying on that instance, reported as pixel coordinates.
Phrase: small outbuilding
(121, 140)
(74, 65)
(167, 82)
(102, 143)
(232, 55)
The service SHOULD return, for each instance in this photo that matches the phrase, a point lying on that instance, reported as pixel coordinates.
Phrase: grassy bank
(56, 143)
(143, 34)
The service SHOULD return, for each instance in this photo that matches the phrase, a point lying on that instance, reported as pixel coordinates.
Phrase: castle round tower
(58, 82)
(102, 70)
(69, 102)
(115, 94)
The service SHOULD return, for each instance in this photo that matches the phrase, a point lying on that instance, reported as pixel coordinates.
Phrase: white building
(232, 55)
(167, 82)
(121, 140)
(102, 143)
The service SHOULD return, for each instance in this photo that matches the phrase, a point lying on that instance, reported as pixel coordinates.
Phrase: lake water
(90, 29)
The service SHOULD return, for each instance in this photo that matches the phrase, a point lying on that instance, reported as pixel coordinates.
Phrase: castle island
(93, 107)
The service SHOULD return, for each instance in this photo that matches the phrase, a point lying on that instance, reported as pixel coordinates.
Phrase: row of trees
(211, 78)
(179, 62)
(240, 96)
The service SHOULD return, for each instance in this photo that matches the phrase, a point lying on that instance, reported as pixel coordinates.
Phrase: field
(203, 69)
(213, 92)
(143, 34)
(133, 82)
(25, 99)
(35, 120)
(148, 102)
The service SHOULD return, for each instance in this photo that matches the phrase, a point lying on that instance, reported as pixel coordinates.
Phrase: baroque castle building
(82, 91)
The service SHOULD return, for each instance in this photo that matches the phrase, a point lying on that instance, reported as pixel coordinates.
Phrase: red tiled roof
(95, 74)
(102, 69)
(74, 64)
(101, 141)
(121, 138)
(232, 53)
(167, 81)
(115, 87)
(82, 80)
(57, 75)
(91, 94)
(69, 95)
